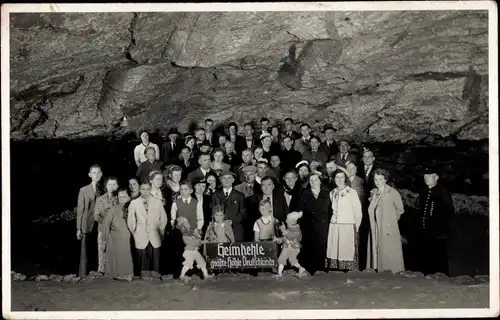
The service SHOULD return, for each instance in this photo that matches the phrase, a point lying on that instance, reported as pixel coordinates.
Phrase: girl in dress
(291, 244)
(219, 230)
(191, 254)
(342, 246)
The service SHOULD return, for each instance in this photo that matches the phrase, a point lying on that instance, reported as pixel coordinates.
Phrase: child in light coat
(219, 230)
(291, 244)
(192, 240)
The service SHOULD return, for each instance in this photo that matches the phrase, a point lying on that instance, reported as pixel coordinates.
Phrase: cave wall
(384, 76)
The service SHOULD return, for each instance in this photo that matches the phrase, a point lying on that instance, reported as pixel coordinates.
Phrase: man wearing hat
(248, 187)
(171, 149)
(247, 160)
(329, 146)
(233, 203)
(436, 212)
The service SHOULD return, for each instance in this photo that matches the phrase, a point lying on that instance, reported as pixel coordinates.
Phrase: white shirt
(266, 220)
(204, 171)
(199, 213)
(258, 179)
(288, 198)
(368, 169)
(227, 191)
(139, 152)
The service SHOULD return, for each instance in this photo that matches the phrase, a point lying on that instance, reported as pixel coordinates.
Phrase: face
(190, 143)
(248, 131)
(265, 210)
(205, 149)
(219, 217)
(186, 154)
(151, 155)
(145, 137)
(218, 156)
(275, 132)
(229, 147)
(344, 147)
(222, 140)
(314, 165)
(258, 153)
(95, 174)
(290, 179)
(266, 142)
(275, 161)
(329, 134)
(267, 187)
(305, 130)
(288, 125)
(351, 169)
(250, 177)
(247, 156)
(145, 190)
(212, 182)
(368, 158)
(303, 172)
(209, 125)
(314, 144)
(290, 222)
(330, 168)
(264, 125)
(340, 179)
(157, 180)
(379, 180)
(288, 143)
(261, 169)
(133, 185)
(314, 182)
(200, 135)
(232, 130)
(430, 179)
(200, 188)
(227, 181)
(123, 197)
(204, 161)
(112, 186)
(176, 176)
(185, 191)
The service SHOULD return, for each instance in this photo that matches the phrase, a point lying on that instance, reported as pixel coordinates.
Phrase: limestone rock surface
(385, 76)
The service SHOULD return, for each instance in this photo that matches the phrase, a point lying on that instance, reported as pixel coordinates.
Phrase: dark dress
(314, 225)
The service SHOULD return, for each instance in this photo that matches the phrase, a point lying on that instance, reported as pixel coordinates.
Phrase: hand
(79, 234)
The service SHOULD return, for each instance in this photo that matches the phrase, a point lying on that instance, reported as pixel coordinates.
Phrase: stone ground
(235, 291)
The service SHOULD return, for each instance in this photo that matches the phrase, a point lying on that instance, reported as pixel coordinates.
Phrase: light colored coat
(384, 242)
(85, 209)
(147, 226)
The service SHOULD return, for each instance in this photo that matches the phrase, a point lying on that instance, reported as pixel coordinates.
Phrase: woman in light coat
(385, 251)
(342, 245)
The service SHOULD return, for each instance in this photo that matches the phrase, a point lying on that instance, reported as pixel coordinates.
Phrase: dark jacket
(331, 150)
(289, 158)
(239, 144)
(349, 158)
(169, 155)
(234, 210)
(196, 174)
(436, 211)
(146, 168)
(279, 207)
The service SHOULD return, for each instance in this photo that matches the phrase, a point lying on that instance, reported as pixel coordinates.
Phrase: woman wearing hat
(303, 173)
(316, 206)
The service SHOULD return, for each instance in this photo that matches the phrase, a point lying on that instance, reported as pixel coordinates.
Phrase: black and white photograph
(250, 160)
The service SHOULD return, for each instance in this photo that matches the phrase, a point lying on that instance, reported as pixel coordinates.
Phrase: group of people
(305, 191)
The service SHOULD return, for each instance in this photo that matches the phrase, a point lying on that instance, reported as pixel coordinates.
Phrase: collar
(188, 200)
(227, 190)
(204, 171)
(306, 139)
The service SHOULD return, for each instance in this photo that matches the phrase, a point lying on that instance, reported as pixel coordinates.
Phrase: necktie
(366, 170)
(226, 194)
(344, 157)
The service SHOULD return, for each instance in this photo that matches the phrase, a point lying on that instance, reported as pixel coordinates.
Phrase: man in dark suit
(200, 186)
(209, 133)
(277, 199)
(251, 141)
(264, 128)
(344, 156)
(289, 132)
(233, 203)
(302, 144)
(366, 171)
(203, 169)
(86, 228)
(289, 157)
(290, 191)
(329, 146)
(170, 150)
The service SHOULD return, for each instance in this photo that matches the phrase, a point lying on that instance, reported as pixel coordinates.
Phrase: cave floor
(235, 291)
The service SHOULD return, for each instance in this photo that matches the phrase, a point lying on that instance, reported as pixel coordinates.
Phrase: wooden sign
(242, 255)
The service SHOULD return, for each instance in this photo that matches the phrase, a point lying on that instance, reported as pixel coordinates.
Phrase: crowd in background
(328, 207)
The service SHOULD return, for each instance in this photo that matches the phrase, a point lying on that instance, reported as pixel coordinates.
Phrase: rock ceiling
(386, 76)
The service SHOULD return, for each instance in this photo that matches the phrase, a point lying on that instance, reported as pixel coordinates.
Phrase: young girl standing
(265, 227)
(219, 230)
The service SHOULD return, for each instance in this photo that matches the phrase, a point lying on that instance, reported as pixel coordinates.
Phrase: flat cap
(249, 169)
